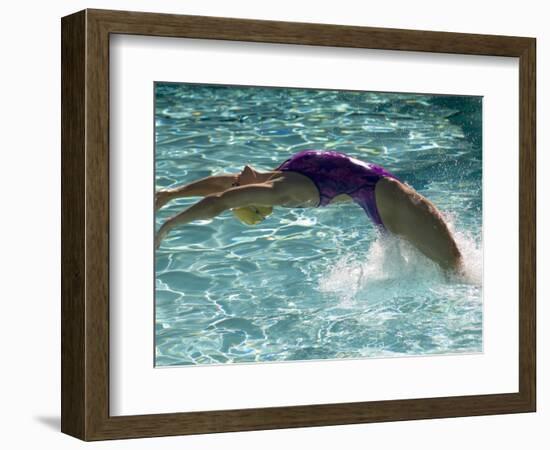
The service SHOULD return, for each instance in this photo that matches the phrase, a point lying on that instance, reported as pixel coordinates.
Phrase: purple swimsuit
(335, 173)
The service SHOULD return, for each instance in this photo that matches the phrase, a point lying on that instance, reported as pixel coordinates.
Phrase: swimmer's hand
(162, 197)
(161, 234)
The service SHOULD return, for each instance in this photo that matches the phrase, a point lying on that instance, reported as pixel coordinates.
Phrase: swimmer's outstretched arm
(265, 194)
(199, 188)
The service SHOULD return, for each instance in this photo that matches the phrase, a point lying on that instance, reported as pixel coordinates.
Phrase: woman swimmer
(313, 178)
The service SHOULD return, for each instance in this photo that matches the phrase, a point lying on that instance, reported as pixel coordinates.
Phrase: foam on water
(394, 261)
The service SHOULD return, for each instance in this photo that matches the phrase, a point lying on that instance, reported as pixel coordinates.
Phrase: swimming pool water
(315, 283)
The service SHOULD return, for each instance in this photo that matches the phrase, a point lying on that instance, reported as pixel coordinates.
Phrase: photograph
(299, 224)
(288, 221)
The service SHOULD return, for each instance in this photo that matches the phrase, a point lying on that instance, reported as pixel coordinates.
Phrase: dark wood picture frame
(85, 224)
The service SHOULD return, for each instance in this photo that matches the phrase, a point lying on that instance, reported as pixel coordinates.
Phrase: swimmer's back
(336, 173)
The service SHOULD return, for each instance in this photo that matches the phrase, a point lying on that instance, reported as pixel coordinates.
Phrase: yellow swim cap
(252, 215)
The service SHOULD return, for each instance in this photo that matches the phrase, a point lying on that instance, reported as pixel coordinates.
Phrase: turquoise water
(315, 283)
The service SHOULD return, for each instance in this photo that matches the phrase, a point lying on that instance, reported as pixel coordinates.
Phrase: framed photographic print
(271, 224)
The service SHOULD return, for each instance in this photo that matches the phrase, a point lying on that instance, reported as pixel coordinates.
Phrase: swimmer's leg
(199, 188)
(410, 215)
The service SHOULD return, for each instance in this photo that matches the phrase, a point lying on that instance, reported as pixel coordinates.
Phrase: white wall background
(30, 226)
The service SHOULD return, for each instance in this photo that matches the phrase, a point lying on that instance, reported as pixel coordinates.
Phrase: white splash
(393, 262)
